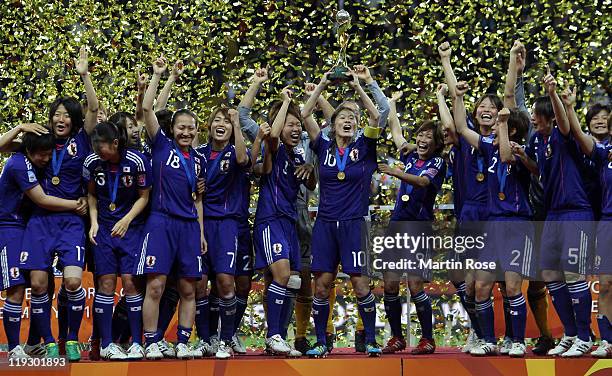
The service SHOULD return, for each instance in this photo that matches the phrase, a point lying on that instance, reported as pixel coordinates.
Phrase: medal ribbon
(55, 163)
(341, 162)
(189, 168)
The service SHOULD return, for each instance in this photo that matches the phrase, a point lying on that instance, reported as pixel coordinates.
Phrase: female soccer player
(421, 180)
(173, 233)
(119, 184)
(347, 162)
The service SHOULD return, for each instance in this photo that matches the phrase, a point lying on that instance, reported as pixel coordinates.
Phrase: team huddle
(135, 196)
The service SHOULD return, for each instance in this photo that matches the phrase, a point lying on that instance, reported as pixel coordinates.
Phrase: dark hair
(225, 111)
(543, 107)
(182, 111)
(594, 110)
(494, 99)
(121, 119)
(32, 143)
(343, 106)
(519, 121)
(276, 106)
(107, 131)
(164, 118)
(74, 110)
(436, 129)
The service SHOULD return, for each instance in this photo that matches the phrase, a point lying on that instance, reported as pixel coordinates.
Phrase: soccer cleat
(214, 343)
(564, 344)
(113, 352)
(319, 350)
(373, 349)
(294, 353)
(202, 349)
(301, 344)
(506, 346)
(425, 346)
(604, 351)
(35, 351)
(543, 346)
(167, 349)
(135, 352)
(94, 349)
(395, 344)
(152, 352)
(18, 353)
(578, 349)
(237, 345)
(183, 352)
(52, 350)
(61, 344)
(517, 350)
(276, 345)
(224, 350)
(484, 349)
(360, 341)
(73, 353)
(470, 342)
(330, 338)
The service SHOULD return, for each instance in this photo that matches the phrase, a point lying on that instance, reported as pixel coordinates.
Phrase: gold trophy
(343, 23)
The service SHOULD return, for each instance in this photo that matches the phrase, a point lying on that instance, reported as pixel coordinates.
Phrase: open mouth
(220, 132)
(295, 136)
(600, 127)
(422, 147)
(347, 127)
(486, 116)
(60, 127)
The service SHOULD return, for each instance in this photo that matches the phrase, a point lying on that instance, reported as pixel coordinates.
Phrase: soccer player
(347, 162)
(421, 179)
(119, 184)
(174, 233)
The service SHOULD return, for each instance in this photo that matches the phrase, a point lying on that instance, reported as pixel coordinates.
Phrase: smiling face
(292, 131)
(541, 123)
(61, 123)
(486, 113)
(598, 126)
(185, 130)
(345, 123)
(426, 145)
(133, 132)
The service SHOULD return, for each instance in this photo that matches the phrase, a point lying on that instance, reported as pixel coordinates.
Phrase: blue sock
(424, 313)
(201, 319)
(393, 309)
(367, 310)
(76, 305)
(275, 299)
(605, 330)
(103, 316)
(182, 334)
(152, 337)
(62, 313)
(507, 318)
(120, 320)
(486, 320)
(12, 323)
(33, 335)
(460, 287)
(167, 308)
(213, 316)
(581, 300)
(518, 316)
(241, 305)
(320, 314)
(562, 301)
(470, 307)
(41, 316)
(287, 312)
(227, 312)
(134, 314)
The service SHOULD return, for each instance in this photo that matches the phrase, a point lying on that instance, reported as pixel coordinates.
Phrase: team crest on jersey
(151, 261)
(354, 154)
(224, 165)
(23, 257)
(128, 180)
(277, 248)
(72, 148)
(126, 169)
(14, 273)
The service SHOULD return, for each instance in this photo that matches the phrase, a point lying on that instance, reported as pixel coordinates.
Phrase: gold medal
(341, 175)
(112, 206)
(55, 180)
(480, 177)
(405, 198)
(501, 196)
(194, 196)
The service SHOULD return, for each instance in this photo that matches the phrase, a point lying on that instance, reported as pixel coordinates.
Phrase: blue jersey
(454, 167)
(172, 190)
(224, 195)
(559, 159)
(72, 153)
(470, 170)
(414, 203)
(515, 179)
(604, 165)
(245, 183)
(17, 176)
(279, 189)
(132, 174)
(349, 198)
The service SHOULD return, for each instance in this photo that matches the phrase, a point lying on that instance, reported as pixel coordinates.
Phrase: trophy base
(338, 75)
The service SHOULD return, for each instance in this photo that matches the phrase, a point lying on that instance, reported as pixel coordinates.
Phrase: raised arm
(505, 149)
(162, 99)
(279, 121)
(9, 142)
(91, 116)
(248, 125)
(445, 54)
(446, 118)
(312, 128)
(265, 167)
(141, 84)
(560, 115)
(509, 95)
(585, 141)
(381, 100)
(324, 105)
(241, 151)
(394, 123)
(365, 99)
(468, 134)
(151, 124)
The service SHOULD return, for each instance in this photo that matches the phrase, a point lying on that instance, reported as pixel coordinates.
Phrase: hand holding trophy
(340, 69)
